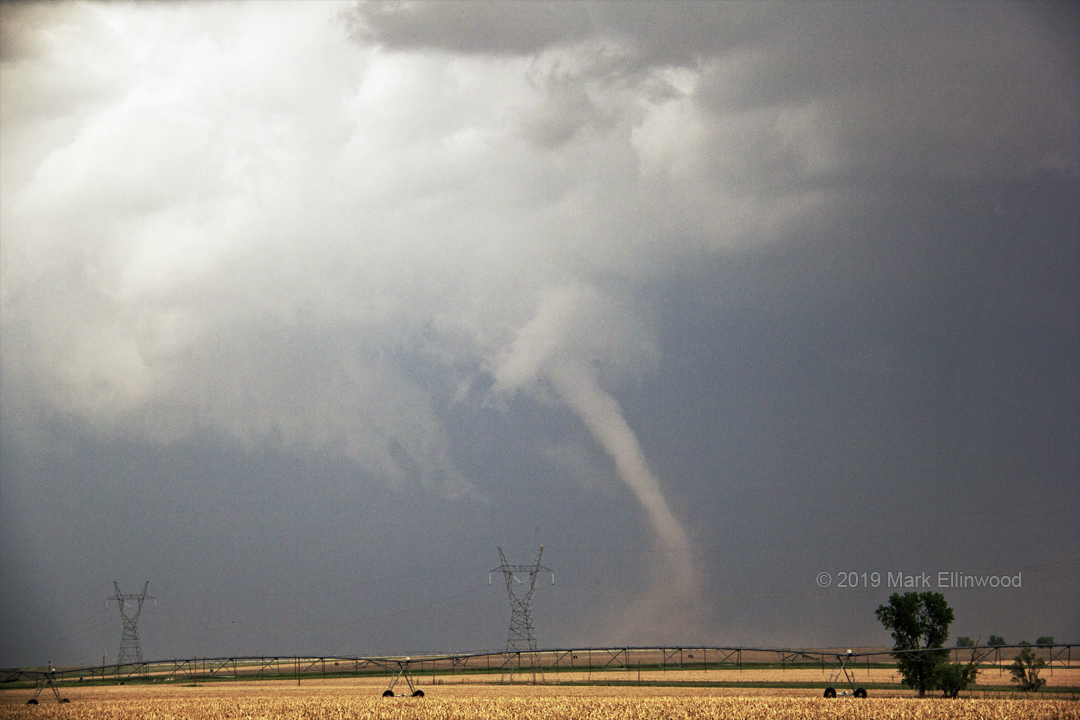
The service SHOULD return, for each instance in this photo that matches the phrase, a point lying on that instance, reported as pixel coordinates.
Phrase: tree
(964, 641)
(918, 621)
(995, 640)
(1045, 640)
(953, 677)
(1025, 670)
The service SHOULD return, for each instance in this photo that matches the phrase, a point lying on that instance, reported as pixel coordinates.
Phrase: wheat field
(349, 701)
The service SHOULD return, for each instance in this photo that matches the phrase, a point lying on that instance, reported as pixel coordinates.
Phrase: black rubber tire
(64, 700)
(860, 693)
(32, 701)
(418, 693)
(830, 692)
(388, 693)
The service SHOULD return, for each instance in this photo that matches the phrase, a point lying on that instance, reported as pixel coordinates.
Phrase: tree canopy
(918, 621)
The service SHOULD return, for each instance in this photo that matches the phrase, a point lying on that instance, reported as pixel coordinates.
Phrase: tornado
(576, 383)
(669, 607)
(552, 348)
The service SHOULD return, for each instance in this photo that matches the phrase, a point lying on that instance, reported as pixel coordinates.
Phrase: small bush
(954, 677)
(1025, 671)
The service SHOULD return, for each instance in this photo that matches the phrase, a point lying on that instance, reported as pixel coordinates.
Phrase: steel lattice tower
(130, 652)
(521, 638)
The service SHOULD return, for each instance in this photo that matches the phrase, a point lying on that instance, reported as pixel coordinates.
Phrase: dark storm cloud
(371, 289)
(498, 28)
(658, 35)
(895, 92)
(20, 26)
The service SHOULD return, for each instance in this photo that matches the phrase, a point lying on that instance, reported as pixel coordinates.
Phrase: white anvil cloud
(242, 225)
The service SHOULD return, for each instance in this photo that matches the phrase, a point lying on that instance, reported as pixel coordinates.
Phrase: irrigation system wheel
(830, 692)
(860, 693)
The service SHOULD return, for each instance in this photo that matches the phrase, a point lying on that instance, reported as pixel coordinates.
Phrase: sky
(750, 314)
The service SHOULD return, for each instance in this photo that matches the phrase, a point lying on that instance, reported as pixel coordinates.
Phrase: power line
(130, 652)
(521, 638)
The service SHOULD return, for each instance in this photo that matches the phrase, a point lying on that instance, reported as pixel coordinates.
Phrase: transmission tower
(521, 638)
(130, 653)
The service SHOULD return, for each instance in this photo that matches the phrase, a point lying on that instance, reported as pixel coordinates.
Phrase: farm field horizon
(360, 698)
(604, 672)
(602, 683)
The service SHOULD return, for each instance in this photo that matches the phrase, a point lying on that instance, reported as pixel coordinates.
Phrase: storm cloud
(734, 255)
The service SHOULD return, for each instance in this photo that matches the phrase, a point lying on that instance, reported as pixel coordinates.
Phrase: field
(358, 698)
(575, 685)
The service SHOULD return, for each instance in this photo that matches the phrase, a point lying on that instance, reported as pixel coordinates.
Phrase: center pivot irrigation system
(47, 680)
(486, 666)
(830, 692)
(403, 672)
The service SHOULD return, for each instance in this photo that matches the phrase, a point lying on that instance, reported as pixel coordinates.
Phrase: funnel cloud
(576, 330)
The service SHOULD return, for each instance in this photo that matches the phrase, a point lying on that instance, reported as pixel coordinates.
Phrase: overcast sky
(308, 307)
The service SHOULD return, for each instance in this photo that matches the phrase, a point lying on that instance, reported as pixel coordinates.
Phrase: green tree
(964, 641)
(1025, 670)
(1045, 640)
(995, 640)
(918, 621)
(951, 678)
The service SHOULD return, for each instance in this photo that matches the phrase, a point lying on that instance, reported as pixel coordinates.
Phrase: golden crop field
(561, 708)
(1062, 677)
(340, 701)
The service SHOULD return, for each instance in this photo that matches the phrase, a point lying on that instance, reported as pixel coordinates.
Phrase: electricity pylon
(521, 638)
(130, 652)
